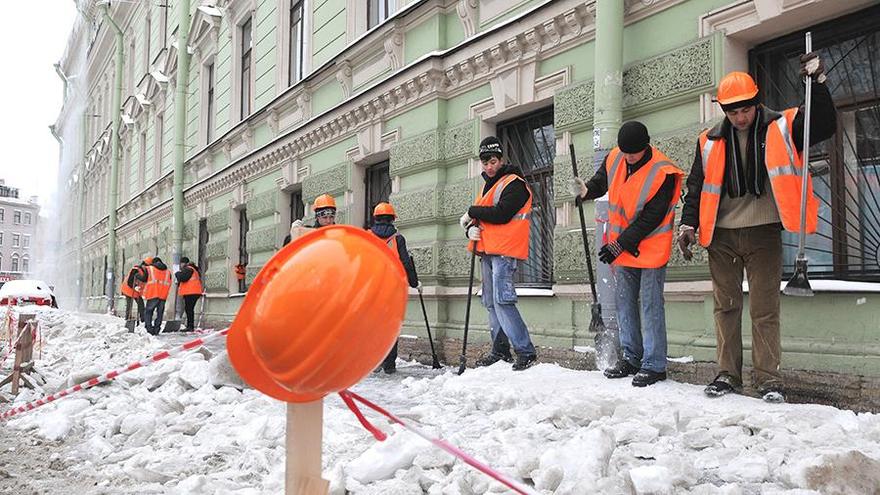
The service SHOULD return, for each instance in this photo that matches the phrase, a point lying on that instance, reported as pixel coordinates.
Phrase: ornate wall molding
(262, 205)
(453, 260)
(425, 150)
(218, 222)
(414, 208)
(216, 280)
(333, 181)
(261, 240)
(573, 107)
(216, 249)
(456, 197)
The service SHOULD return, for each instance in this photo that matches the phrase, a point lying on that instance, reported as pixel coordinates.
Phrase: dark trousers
(158, 306)
(140, 308)
(189, 306)
(758, 251)
(391, 358)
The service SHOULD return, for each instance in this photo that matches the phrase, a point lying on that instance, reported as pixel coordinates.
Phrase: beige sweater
(747, 210)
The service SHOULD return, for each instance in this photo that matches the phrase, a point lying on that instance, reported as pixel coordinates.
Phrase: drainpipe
(114, 161)
(63, 79)
(180, 93)
(607, 117)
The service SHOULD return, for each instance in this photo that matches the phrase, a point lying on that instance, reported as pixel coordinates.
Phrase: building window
(27, 218)
(296, 42)
(846, 167)
(209, 102)
(243, 228)
(25, 265)
(246, 69)
(163, 23)
(377, 12)
(158, 149)
(297, 207)
(142, 160)
(1, 238)
(530, 143)
(26, 241)
(16, 217)
(16, 240)
(203, 245)
(1, 263)
(14, 262)
(147, 32)
(378, 181)
(2, 214)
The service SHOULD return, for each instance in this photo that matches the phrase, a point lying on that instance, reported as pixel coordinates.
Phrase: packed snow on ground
(184, 426)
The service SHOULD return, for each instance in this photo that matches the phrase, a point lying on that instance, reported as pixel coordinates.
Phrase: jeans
(758, 250)
(499, 298)
(642, 333)
(189, 305)
(158, 306)
(140, 307)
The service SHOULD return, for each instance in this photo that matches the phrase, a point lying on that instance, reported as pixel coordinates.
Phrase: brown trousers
(758, 251)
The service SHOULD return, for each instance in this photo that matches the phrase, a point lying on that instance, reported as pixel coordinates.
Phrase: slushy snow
(187, 425)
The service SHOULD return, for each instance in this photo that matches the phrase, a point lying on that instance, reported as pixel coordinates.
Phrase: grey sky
(33, 36)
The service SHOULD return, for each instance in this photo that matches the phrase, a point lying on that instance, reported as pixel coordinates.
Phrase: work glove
(419, 287)
(686, 237)
(465, 220)
(473, 233)
(577, 187)
(296, 224)
(609, 252)
(811, 65)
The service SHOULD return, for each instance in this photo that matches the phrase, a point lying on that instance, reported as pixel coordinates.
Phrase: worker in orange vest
(743, 190)
(189, 282)
(383, 226)
(498, 225)
(643, 186)
(157, 284)
(131, 288)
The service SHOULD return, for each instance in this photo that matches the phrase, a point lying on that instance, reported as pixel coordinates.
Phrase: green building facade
(371, 100)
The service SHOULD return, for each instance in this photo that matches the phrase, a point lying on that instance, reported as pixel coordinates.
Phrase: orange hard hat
(384, 209)
(322, 313)
(324, 201)
(736, 87)
(148, 260)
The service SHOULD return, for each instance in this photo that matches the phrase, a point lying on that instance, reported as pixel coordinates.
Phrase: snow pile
(187, 425)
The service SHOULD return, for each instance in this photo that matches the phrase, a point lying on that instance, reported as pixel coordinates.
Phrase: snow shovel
(435, 363)
(799, 285)
(462, 361)
(604, 339)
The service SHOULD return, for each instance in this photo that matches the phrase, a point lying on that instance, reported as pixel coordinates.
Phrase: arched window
(25, 264)
(14, 263)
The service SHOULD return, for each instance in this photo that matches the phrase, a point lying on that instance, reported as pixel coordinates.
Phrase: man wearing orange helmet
(325, 214)
(131, 289)
(743, 189)
(383, 226)
(498, 228)
(157, 284)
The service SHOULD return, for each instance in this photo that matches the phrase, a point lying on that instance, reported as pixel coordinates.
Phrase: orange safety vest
(392, 242)
(784, 168)
(505, 239)
(191, 286)
(627, 198)
(158, 283)
(127, 291)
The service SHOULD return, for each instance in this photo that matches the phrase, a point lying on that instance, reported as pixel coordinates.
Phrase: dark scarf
(383, 230)
(744, 175)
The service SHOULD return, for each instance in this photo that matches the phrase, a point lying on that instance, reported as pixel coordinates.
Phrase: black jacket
(133, 275)
(651, 215)
(384, 231)
(513, 198)
(186, 272)
(157, 263)
(823, 125)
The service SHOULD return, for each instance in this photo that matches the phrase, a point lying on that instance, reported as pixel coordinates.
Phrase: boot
(523, 362)
(647, 377)
(621, 369)
(492, 358)
(721, 385)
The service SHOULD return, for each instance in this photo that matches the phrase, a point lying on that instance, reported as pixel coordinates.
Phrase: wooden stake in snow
(24, 354)
(305, 429)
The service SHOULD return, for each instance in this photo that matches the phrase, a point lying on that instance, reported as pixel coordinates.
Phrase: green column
(180, 93)
(608, 89)
(113, 202)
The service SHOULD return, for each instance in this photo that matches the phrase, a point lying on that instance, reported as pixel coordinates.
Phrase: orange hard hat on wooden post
(320, 315)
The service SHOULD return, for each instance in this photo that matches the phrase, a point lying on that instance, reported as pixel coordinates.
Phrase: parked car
(27, 292)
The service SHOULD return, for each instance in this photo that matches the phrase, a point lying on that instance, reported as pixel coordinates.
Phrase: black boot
(492, 358)
(721, 385)
(647, 377)
(523, 362)
(621, 369)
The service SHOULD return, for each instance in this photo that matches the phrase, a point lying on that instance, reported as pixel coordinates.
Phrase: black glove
(609, 252)
(686, 237)
(812, 65)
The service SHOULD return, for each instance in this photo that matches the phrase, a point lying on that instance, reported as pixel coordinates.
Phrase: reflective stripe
(707, 149)
(662, 229)
(614, 167)
(711, 188)
(783, 170)
(646, 187)
(616, 209)
(522, 216)
(496, 196)
(782, 123)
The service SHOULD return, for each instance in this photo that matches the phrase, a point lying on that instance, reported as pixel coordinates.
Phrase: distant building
(18, 233)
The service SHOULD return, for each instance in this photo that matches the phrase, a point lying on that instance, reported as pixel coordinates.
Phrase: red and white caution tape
(106, 377)
(349, 397)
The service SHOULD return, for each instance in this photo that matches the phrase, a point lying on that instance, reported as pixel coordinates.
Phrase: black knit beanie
(490, 147)
(633, 137)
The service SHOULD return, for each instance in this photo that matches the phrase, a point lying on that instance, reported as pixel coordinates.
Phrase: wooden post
(24, 353)
(305, 429)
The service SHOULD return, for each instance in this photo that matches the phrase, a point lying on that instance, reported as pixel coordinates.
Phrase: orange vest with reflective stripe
(158, 283)
(392, 243)
(505, 239)
(130, 291)
(783, 167)
(191, 286)
(627, 198)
